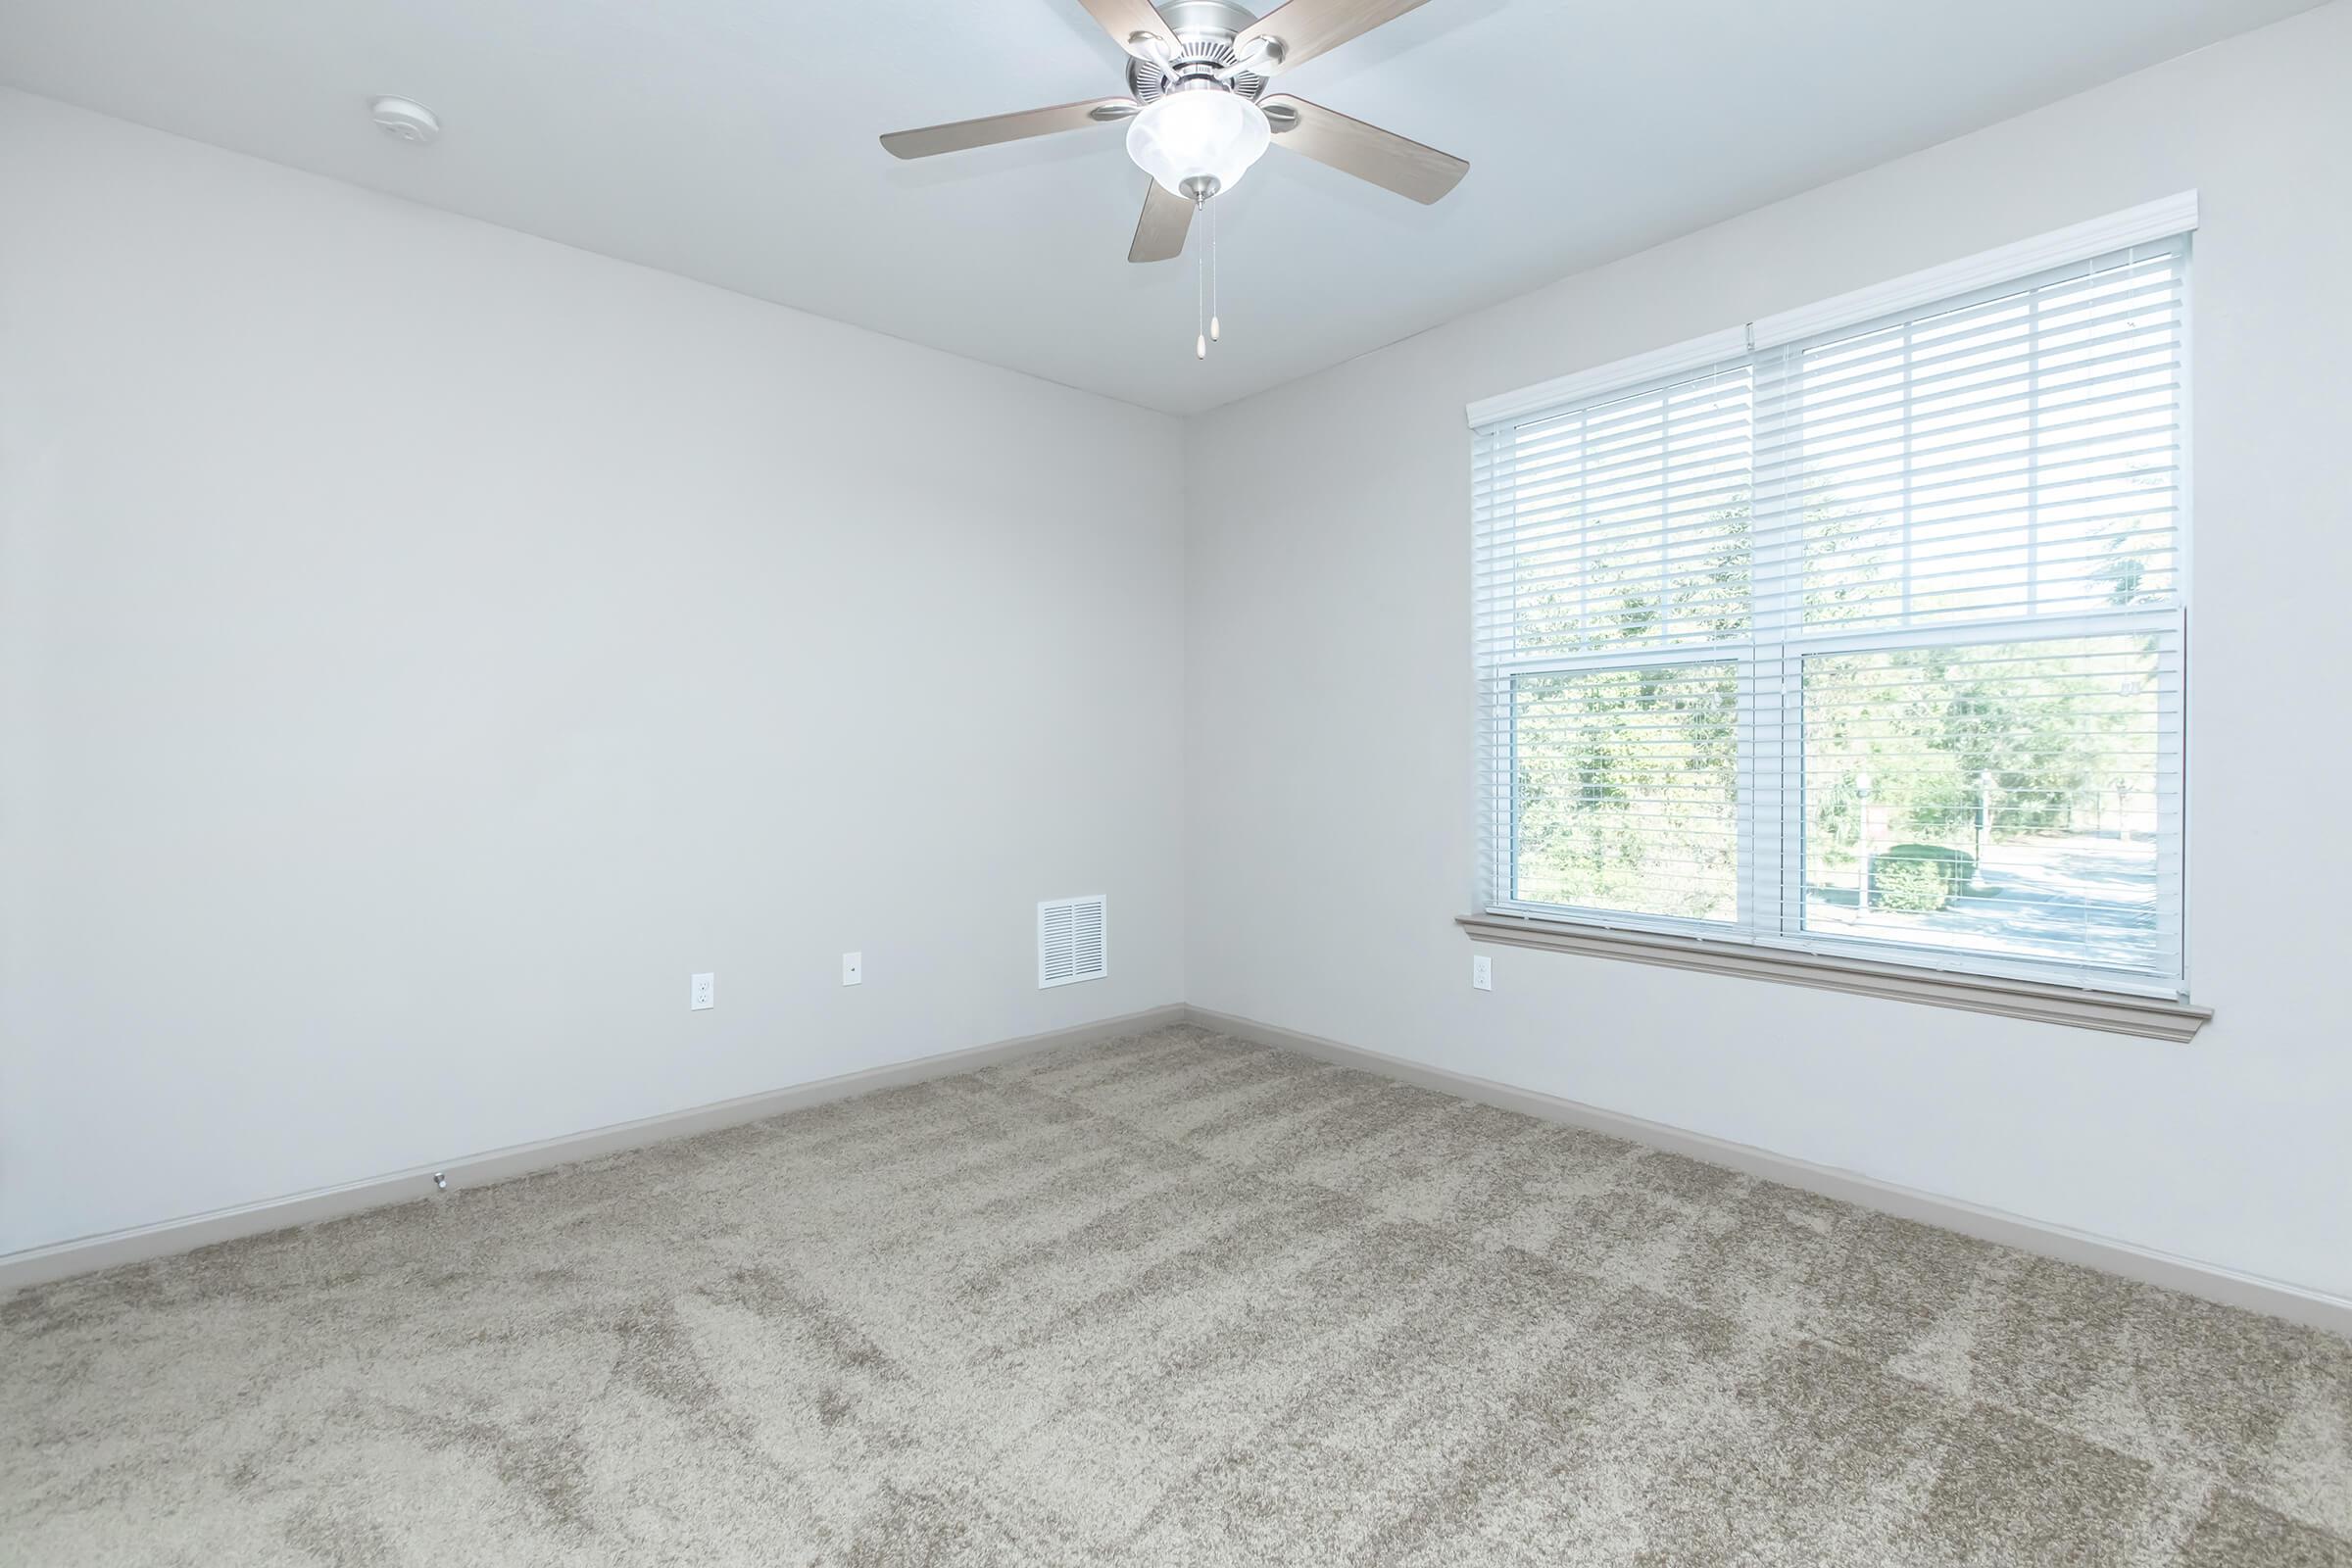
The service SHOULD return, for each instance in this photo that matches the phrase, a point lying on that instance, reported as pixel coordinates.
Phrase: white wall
(422, 646)
(1330, 704)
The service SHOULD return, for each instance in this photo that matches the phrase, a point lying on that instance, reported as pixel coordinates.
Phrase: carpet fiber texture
(1175, 1300)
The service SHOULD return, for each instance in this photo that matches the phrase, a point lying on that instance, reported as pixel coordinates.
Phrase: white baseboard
(39, 1264)
(2294, 1303)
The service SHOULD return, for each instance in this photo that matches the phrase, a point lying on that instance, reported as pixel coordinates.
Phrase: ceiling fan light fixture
(1202, 133)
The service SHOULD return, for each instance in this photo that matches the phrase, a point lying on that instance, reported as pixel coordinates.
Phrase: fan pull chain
(1205, 279)
(1212, 271)
(1200, 290)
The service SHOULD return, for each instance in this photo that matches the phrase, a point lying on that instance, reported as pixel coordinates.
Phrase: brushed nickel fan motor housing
(1205, 32)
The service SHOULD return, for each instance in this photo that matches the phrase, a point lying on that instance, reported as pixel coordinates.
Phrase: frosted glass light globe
(1201, 134)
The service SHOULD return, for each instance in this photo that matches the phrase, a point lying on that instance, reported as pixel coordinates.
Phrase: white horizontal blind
(2016, 455)
(1869, 642)
(1613, 545)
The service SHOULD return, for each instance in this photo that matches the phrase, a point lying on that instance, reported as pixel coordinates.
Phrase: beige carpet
(1174, 1301)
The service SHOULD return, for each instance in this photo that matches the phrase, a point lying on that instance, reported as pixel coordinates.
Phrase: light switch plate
(852, 968)
(703, 992)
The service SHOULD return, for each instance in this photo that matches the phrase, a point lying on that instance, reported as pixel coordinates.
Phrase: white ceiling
(734, 141)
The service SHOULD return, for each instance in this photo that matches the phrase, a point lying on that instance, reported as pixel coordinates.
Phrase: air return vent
(1073, 941)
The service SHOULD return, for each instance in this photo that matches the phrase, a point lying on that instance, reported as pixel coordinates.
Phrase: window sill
(2115, 1012)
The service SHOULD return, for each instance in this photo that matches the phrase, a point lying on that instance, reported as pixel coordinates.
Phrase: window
(1867, 642)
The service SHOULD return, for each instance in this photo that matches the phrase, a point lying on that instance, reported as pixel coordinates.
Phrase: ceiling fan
(1198, 113)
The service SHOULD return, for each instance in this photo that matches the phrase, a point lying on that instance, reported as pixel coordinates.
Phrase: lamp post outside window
(1862, 886)
(1983, 816)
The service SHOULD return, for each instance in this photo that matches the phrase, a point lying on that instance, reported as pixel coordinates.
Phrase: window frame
(1772, 813)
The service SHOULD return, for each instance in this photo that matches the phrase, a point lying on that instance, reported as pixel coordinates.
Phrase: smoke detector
(404, 120)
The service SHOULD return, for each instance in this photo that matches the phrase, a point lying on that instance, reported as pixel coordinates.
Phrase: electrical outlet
(703, 993)
(852, 968)
(1482, 971)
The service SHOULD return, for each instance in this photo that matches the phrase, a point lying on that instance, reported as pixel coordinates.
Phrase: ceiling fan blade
(1305, 28)
(1135, 27)
(1159, 233)
(1386, 159)
(933, 140)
